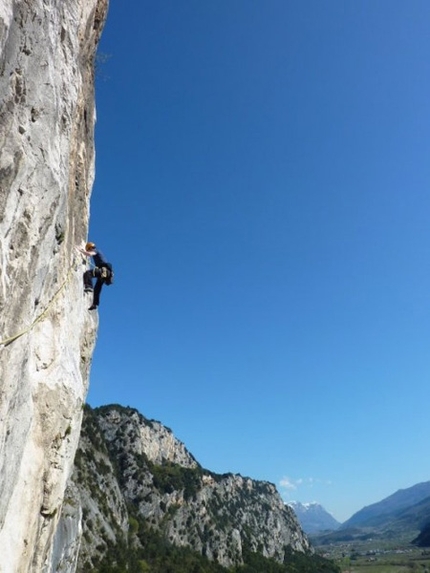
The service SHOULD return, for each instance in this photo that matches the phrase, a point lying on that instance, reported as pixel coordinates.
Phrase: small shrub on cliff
(133, 525)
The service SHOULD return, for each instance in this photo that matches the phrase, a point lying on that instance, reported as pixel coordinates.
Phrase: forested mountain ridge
(146, 499)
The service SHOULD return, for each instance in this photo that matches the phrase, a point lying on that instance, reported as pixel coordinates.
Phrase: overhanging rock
(47, 50)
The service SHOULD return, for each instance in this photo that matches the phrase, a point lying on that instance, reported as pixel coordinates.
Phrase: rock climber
(102, 271)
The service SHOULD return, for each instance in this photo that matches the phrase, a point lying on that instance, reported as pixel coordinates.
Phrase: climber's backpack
(107, 274)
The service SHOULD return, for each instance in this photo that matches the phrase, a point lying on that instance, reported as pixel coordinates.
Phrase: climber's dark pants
(88, 283)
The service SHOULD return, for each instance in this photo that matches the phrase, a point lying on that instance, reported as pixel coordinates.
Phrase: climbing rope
(42, 315)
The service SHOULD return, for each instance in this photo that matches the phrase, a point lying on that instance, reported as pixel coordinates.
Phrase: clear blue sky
(262, 189)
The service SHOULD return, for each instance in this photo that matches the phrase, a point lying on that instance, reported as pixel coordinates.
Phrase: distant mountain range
(313, 517)
(405, 512)
(391, 508)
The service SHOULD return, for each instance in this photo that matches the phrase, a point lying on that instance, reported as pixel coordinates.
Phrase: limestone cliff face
(47, 51)
(133, 477)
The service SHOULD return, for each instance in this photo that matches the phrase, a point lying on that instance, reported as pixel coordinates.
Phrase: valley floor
(368, 557)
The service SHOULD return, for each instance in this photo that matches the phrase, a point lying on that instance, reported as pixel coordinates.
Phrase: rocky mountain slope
(133, 476)
(47, 50)
(313, 517)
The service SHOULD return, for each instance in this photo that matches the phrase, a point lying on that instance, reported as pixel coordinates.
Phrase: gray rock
(46, 334)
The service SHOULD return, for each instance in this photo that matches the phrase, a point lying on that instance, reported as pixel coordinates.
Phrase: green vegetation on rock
(154, 554)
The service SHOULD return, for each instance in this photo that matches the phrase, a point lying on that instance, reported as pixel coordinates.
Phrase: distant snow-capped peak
(313, 517)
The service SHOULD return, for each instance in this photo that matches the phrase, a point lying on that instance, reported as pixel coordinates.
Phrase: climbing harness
(42, 315)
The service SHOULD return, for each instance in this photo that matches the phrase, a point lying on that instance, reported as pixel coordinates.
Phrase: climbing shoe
(92, 307)
(88, 289)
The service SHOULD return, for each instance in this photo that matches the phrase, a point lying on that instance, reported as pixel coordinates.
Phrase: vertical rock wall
(47, 50)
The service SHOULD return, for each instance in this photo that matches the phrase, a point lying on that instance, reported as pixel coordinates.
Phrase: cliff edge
(47, 50)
